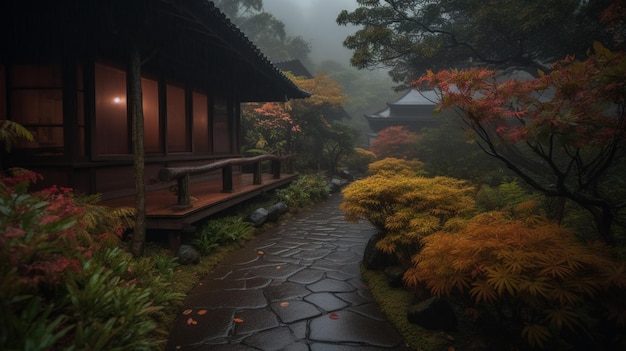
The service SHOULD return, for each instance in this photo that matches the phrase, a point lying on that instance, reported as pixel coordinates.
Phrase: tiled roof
(212, 19)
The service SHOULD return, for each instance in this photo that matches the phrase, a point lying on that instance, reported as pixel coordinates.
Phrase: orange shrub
(530, 274)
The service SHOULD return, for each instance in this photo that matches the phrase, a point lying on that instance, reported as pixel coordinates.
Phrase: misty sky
(315, 22)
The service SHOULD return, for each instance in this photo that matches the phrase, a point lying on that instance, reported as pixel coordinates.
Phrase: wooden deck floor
(208, 199)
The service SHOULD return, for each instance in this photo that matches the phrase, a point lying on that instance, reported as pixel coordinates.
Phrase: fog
(315, 22)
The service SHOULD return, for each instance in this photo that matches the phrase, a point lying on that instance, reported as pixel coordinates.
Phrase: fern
(11, 131)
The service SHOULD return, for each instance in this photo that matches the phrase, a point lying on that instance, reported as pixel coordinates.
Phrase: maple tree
(562, 133)
(531, 275)
(270, 127)
(285, 126)
(337, 144)
(395, 141)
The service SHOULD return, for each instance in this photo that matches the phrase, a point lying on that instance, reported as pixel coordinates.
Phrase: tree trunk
(556, 208)
(603, 219)
(135, 94)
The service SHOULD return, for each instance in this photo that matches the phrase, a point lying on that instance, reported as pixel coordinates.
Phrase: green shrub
(306, 190)
(64, 286)
(222, 231)
(359, 160)
(504, 197)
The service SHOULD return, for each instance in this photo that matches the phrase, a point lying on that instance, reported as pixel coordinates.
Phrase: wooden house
(64, 75)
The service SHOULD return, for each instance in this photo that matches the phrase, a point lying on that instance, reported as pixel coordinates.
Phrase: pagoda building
(414, 110)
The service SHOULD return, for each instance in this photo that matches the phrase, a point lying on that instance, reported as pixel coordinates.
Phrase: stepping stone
(255, 321)
(285, 291)
(292, 311)
(347, 327)
(204, 329)
(330, 285)
(307, 276)
(231, 299)
(326, 301)
(271, 340)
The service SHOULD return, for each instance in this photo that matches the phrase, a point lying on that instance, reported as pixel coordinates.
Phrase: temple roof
(414, 110)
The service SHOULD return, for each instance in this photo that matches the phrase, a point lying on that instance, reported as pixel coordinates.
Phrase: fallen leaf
(238, 320)
(191, 321)
(333, 316)
(202, 312)
(277, 267)
(284, 304)
(199, 283)
(187, 311)
(260, 252)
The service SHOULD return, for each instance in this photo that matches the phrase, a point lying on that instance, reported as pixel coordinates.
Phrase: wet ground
(295, 288)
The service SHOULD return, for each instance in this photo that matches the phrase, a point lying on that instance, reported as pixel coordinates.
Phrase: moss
(394, 302)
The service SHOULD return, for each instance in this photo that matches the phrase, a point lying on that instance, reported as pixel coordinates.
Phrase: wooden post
(276, 169)
(183, 192)
(227, 179)
(256, 168)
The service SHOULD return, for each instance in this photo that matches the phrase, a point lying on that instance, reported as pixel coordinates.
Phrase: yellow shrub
(391, 165)
(405, 208)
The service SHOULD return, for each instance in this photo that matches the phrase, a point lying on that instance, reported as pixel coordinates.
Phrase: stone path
(294, 288)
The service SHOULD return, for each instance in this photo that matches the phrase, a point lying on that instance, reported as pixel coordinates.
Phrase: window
(201, 136)
(37, 104)
(221, 128)
(112, 136)
(177, 130)
(150, 102)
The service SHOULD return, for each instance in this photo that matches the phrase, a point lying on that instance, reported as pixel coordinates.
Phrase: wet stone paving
(294, 288)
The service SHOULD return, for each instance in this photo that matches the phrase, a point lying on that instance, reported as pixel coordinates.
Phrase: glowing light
(117, 100)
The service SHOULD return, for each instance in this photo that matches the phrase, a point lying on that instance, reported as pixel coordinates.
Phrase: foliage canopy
(563, 133)
(410, 36)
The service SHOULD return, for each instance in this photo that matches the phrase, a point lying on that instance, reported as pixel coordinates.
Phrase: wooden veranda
(207, 199)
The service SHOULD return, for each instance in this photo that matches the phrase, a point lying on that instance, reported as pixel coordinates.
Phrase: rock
(187, 254)
(346, 175)
(334, 185)
(258, 217)
(373, 258)
(276, 210)
(394, 276)
(433, 313)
